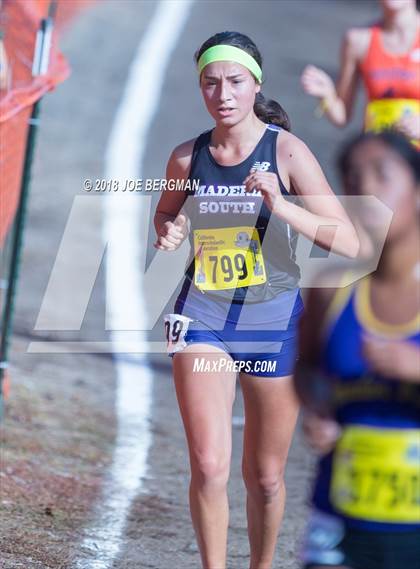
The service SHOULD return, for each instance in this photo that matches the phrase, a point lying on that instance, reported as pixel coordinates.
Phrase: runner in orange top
(387, 58)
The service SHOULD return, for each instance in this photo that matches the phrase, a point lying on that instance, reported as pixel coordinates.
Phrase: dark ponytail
(267, 110)
(270, 111)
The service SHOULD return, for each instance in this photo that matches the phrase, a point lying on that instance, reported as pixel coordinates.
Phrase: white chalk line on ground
(125, 215)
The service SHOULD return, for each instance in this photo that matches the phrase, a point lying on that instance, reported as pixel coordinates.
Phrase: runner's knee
(267, 484)
(209, 469)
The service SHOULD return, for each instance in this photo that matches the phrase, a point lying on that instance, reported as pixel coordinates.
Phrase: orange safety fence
(19, 23)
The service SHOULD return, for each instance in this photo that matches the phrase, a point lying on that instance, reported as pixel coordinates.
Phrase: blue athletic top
(222, 202)
(365, 398)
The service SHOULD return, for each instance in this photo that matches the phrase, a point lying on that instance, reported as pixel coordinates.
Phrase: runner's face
(378, 170)
(396, 5)
(229, 91)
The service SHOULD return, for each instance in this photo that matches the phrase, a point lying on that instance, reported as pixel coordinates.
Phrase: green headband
(230, 53)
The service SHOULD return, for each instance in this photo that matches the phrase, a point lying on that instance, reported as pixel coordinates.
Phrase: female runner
(359, 375)
(386, 57)
(240, 302)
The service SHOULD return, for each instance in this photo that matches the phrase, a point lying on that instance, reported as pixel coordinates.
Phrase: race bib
(228, 258)
(376, 474)
(384, 113)
(176, 326)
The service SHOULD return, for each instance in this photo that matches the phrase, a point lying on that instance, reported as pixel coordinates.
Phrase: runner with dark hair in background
(358, 377)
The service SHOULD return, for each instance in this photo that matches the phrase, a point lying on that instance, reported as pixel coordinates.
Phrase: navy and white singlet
(241, 282)
(222, 202)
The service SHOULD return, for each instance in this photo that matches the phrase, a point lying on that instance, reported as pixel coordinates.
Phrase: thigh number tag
(176, 326)
(228, 258)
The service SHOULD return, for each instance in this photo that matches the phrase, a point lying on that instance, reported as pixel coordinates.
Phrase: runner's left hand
(268, 184)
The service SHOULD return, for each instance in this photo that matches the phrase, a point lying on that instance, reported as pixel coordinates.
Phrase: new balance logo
(261, 166)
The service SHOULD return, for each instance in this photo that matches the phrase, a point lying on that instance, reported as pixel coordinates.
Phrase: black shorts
(329, 544)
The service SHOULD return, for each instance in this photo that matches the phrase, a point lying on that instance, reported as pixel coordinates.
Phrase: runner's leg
(205, 400)
(271, 411)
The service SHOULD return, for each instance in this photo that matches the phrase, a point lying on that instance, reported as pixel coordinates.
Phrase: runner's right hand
(317, 83)
(172, 234)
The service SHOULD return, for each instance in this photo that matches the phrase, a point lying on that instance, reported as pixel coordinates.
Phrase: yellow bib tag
(227, 258)
(383, 113)
(376, 474)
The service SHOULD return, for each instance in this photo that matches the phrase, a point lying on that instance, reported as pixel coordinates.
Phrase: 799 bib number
(227, 258)
(231, 267)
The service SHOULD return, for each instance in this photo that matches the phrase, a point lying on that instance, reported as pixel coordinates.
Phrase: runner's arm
(337, 100)
(171, 202)
(339, 107)
(311, 327)
(320, 430)
(170, 230)
(324, 220)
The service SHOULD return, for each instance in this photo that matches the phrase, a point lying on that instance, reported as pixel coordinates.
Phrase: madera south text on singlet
(239, 250)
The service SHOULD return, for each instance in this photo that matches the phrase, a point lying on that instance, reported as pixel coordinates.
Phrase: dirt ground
(59, 431)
